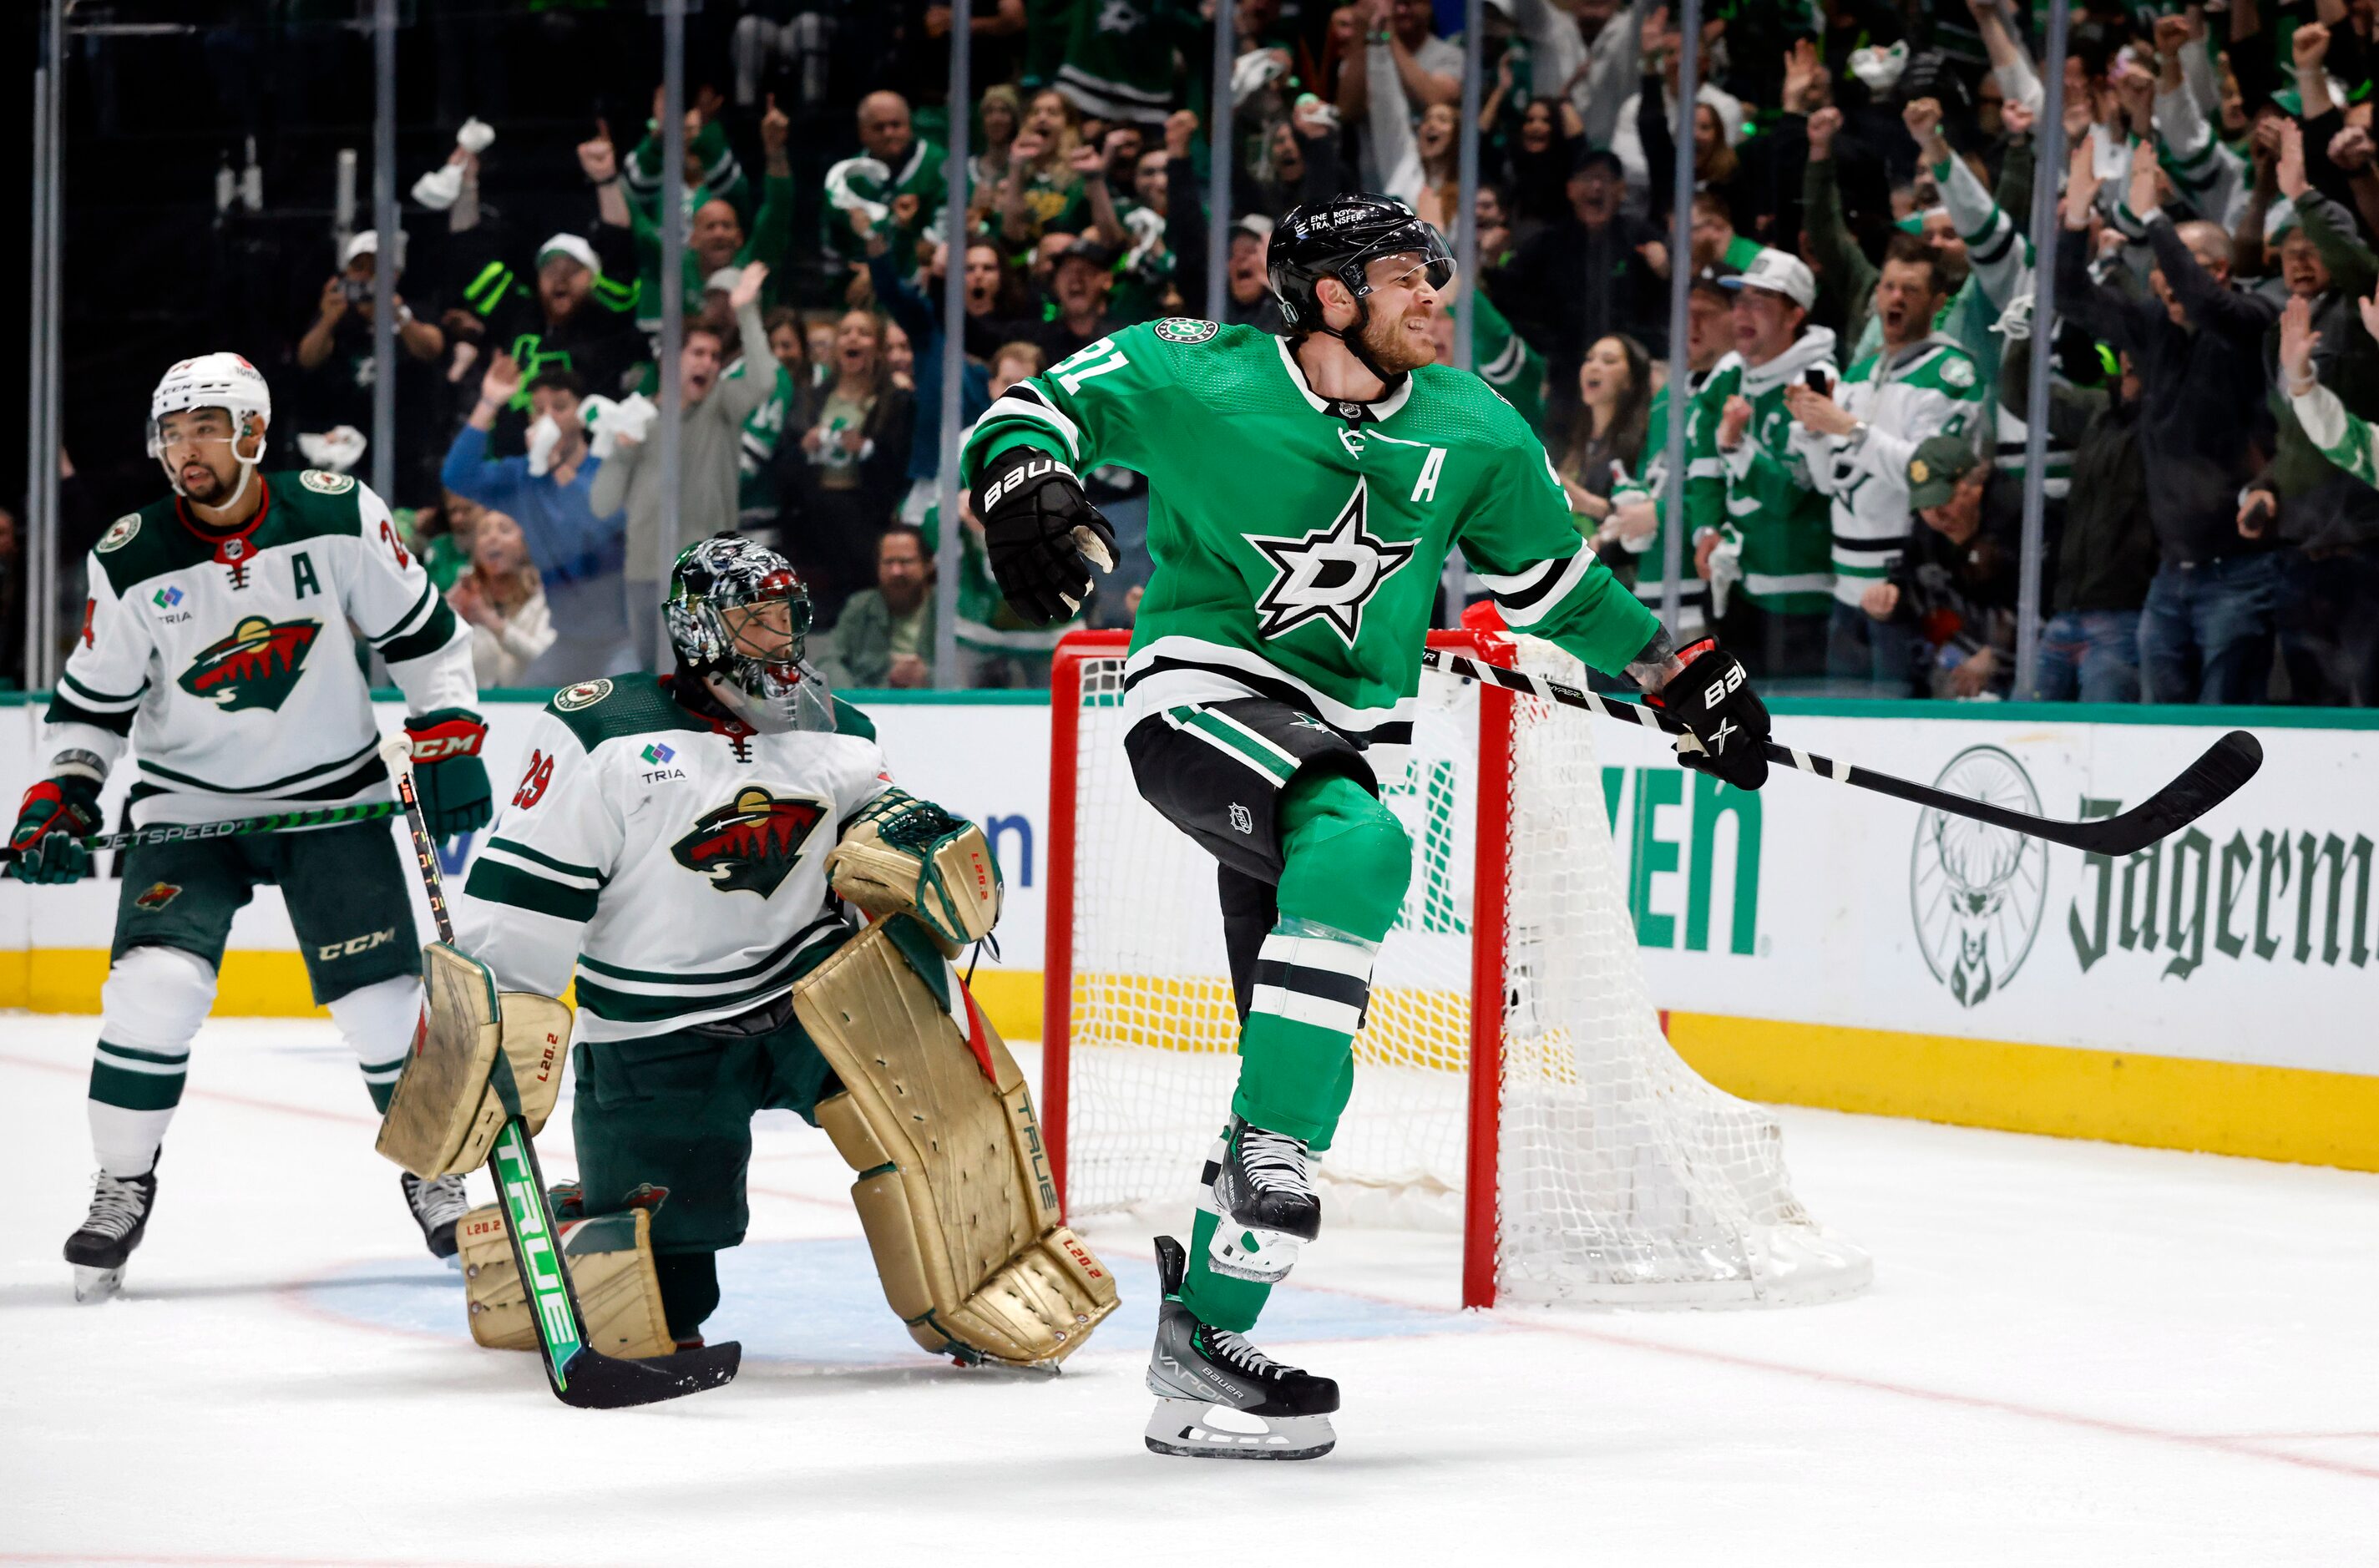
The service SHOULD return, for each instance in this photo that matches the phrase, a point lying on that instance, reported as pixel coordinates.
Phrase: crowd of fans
(1855, 362)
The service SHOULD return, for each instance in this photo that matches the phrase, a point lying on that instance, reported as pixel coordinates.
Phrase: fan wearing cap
(575, 313)
(1303, 494)
(1954, 587)
(332, 404)
(1778, 541)
(215, 646)
(1080, 280)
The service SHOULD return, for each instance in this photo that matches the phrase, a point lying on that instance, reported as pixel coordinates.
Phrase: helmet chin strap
(1353, 339)
(248, 467)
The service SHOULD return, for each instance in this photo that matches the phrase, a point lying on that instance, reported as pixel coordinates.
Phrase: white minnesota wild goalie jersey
(225, 658)
(679, 864)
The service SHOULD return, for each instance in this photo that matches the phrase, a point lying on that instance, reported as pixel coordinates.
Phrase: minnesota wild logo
(749, 845)
(257, 665)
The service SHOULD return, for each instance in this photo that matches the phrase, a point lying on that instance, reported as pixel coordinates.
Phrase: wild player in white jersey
(215, 643)
(688, 843)
(1304, 494)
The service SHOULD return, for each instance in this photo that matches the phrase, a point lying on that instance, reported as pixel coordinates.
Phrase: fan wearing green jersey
(1304, 494)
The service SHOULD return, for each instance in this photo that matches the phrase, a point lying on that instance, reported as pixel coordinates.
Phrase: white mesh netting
(1625, 1177)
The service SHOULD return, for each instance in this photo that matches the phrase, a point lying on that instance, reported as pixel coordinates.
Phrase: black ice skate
(1197, 1368)
(1262, 1185)
(119, 1215)
(436, 1206)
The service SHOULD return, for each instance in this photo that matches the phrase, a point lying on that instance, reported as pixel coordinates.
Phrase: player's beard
(213, 489)
(1395, 345)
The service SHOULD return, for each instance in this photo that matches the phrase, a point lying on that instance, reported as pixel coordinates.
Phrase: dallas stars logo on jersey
(749, 846)
(257, 665)
(1328, 574)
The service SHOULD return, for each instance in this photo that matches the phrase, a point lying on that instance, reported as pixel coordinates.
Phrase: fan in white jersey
(669, 841)
(214, 644)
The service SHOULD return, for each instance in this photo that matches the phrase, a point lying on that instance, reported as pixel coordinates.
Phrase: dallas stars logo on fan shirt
(1328, 574)
(257, 665)
(749, 846)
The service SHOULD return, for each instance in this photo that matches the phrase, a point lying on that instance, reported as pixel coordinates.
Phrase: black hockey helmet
(1339, 239)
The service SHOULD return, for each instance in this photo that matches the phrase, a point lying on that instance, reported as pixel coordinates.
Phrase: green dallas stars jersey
(225, 661)
(1297, 543)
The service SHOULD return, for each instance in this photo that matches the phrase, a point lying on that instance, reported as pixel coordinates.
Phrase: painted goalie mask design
(739, 616)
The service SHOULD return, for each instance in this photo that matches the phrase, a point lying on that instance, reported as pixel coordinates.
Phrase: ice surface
(2072, 1353)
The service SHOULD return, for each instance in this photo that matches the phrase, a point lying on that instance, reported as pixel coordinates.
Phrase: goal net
(1512, 1079)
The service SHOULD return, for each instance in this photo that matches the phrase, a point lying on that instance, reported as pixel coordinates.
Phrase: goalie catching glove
(1042, 533)
(902, 854)
(1711, 693)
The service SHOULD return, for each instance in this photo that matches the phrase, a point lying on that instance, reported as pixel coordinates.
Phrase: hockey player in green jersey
(1304, 492)
(214, 644)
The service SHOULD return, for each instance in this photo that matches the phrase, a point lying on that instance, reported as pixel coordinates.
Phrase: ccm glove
(1712, 694)
(1042, 533)
(57, 815)
(447, 773)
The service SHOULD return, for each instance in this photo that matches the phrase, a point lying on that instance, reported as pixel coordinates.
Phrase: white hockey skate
(118, 1217)
(1198, 1370)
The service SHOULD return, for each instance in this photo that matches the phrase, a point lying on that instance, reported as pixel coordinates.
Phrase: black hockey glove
(1043, 534)
(1712, 694)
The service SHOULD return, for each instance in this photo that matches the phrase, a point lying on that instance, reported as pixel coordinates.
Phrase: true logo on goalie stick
(750, 844)
(1328, 574)
(1977, 891)
(257, 665)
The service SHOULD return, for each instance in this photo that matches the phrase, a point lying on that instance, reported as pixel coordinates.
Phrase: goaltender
(690, 845)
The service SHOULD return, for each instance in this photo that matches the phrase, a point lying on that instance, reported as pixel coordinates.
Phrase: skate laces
(1226, 1345)
(1275, 1162)
(440, 1201)
(116, 1207)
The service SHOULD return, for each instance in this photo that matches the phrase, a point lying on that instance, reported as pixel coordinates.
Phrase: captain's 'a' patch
(1328, 574)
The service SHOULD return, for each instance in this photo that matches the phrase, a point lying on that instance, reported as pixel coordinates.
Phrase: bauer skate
(1197, 1369)
(118, 1217)
(1260, 1184)
(436, 1206)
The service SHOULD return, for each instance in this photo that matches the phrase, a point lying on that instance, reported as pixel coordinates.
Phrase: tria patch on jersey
(158, 894)
(257, 665)
(1329, 574)
(750, 844)
(586, 693)
(324, 483)
(1185, 329)
(119, 533)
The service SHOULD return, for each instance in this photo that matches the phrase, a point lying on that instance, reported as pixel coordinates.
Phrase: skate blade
(1179, 1428)
(1242, 1252)
(94, 1285)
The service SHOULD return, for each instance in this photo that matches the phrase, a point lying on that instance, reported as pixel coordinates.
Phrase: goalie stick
(580, 1376)
(183, 832)
(2205, 784)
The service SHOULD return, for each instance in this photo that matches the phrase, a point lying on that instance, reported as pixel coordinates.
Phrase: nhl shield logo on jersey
(749, 845)
(1327, 576)
(586, 693)
(257, 665)
(1185, 329)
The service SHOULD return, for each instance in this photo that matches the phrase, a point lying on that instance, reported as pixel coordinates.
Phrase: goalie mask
(213, 380)
(740, 620)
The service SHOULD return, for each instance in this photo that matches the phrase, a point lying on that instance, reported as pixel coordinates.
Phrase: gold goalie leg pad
(471, 1047)
(610, 1262)
(954, 1189)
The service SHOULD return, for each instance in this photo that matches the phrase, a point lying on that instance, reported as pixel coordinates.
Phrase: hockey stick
(2205, 784)
(183, 832)
(581, 1376)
